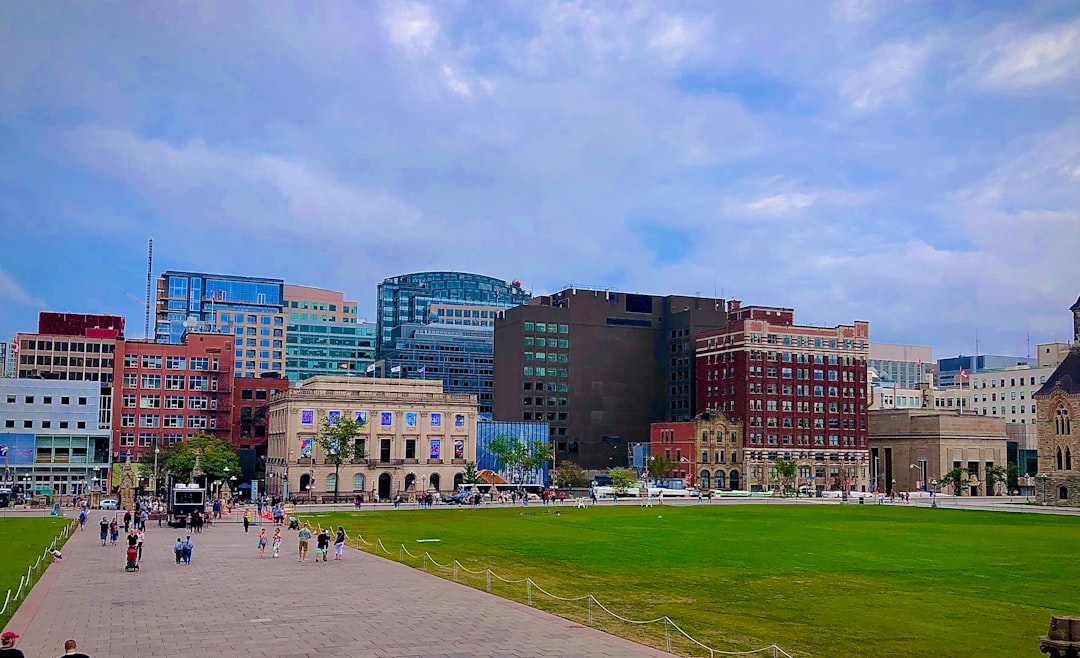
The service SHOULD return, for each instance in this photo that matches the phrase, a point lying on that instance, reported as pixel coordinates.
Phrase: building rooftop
(1067, 373)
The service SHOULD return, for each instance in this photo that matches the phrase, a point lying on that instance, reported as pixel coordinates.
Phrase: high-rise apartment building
(167, 393)
(599, 366)
(7, 357)
(249, 309)
(74, 347)
(306, 304)
(800, 390)
(461, 356)
(456, 298)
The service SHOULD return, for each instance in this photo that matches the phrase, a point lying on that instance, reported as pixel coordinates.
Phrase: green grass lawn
(22, 540)
(817, 580)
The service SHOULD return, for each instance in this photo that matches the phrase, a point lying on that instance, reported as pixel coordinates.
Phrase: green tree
(996, 480)
(958, 478)
(339, 444)
(215, 456)
(785, 472)
(622, 479)
(519, 457)
(569, 474)
(1014, 477)
(660, 467)
(471, 476)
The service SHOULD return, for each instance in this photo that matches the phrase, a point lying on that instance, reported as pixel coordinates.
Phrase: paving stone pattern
(229, 602)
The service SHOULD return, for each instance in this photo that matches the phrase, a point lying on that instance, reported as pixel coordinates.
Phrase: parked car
(459, 498)
(110, 503)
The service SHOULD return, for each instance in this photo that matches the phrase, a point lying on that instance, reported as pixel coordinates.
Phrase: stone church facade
(1058, 415)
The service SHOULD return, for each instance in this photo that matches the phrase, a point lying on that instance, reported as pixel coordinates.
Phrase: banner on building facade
(307, 416)
(436, 449)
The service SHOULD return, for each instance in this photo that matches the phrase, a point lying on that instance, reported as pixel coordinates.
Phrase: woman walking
(339, 542)
(277, 542)
(262, 543)
(247, 520)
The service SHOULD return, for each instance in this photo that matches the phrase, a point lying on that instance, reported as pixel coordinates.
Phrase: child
(114, 532)
(262, 543)
(277, 542)
(178, 548)
(188, 546)
(322, 543)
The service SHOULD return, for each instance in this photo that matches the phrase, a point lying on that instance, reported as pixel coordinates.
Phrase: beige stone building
(717, 443)
(911, 449)
(416, 437)
(1058, 408)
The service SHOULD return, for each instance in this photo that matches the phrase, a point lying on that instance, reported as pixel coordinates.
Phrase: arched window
(1068, 459)
(1063, 493)
(1062, 423)
(358, 482)
(1060, 464)
(704, 480)
(719, 483)
(331, 482)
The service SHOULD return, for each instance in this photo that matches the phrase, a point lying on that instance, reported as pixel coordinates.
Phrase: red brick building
(167, 393)
(251, 395)
(800, 390)
(677, 442)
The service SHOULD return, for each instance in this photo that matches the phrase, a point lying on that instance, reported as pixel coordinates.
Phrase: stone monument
(127, 486)
(1063, 638)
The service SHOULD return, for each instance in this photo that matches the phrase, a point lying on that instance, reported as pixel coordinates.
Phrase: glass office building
(523, 432)
(328, 348)
(250, 308)
(455, 298)
(461, 357)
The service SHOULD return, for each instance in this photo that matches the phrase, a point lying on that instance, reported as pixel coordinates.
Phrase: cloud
(410, 25)
(676, 38)
(14, 293)
(889, 77)
(455, 83)
(1045, 57)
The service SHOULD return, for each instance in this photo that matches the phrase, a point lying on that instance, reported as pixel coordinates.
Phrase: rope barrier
(530, 585)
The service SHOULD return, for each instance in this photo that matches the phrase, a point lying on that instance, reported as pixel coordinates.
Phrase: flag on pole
(964, 374)
(370, 368)
(395, 369)
(343, 366)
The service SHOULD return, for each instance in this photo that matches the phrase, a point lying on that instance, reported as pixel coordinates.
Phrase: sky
(912, 164)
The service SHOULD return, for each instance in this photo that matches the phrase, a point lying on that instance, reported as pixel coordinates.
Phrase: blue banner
(16, 449)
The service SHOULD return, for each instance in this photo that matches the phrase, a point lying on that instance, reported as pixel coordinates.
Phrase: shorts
(338, 547)
(303, 545)
(320, 549)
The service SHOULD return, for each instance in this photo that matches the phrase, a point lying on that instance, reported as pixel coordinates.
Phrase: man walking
(304, 536)
(71, 650)
(7, 646)
(127, 521)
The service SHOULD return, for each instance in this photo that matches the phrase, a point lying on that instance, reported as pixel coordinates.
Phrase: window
(200, 363)
(174, 401)
(174, 382)
(152, 361)
(197, 422)
(195, 402)
(198, 383)
(127, 420)
(1062, 423)
(148, 420)
(150, 402)
(151, 381)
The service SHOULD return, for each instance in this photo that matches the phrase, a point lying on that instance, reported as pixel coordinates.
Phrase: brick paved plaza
(229, 602)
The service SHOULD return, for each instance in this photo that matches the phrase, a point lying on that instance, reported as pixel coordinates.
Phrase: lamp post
(922, 466)
(157, 451)
(1043, 478)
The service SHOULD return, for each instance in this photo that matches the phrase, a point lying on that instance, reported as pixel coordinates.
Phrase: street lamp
(1043, 478)
(922, 466)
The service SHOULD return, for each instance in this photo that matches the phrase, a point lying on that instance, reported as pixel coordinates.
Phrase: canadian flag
(964, 374)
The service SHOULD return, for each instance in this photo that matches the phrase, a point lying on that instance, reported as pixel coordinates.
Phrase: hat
(8, 635)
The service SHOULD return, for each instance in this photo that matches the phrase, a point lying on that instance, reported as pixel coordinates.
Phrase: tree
(660, 468)
(471, 476)
(519, 457)
(958, 478)
(622, 479)
(1014, 477)
(339, 445)
(537, 456)
(996, 479)
(215, 455)
(569, 474)
(785, 472)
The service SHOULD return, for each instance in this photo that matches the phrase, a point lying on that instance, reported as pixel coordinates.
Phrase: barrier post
(488, 572)
(528, 589)
(455, 571)
(425, 562)
(400, 553)
(590, 610)
(667, 633)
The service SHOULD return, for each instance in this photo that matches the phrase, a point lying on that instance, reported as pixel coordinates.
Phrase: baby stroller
(294, 523)
(132, 559)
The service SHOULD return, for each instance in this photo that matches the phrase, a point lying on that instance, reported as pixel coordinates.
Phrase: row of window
(263, 365)
(172, 382)
(994, 396)
(44, 424)
(46, 399)
(993, 383)
(798, 341)
(68, 346)
(551, 357)
(253, 331)
(834, 440)
(239, 318)
(167, 420)
(542, 327)
(149, 439)
(318, 306)
(152, 401)
(77, 376)
(65, 361)
(155, 362)
(530, 371)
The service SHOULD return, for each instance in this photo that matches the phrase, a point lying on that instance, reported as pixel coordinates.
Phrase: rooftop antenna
(1029, 343)
(149, 278)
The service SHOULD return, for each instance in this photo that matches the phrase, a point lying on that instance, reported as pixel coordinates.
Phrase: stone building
(1058, 409)
(911, 449)
(415, 436)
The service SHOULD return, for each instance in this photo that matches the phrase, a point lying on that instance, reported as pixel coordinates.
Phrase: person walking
(339, 542)
(114, 532)
(262, 543)
(178, 548)
(188, 547)
(247, 519)
(322, 543)
(82, 520)
(7, 646)
(71, 650)
(142, 538)
(104, 530)
(277, 542)
(304, 536)
(127, 521)
(144, 516)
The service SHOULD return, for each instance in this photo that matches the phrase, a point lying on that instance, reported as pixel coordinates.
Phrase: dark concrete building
(599, 367)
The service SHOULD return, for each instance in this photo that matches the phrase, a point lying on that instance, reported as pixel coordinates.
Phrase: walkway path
(229, 602)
